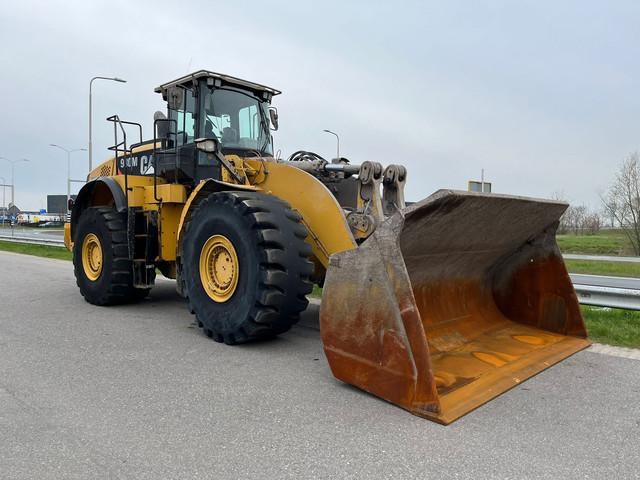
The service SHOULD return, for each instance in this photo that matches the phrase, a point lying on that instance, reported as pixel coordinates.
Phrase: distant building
(7, 214)
(9, 211)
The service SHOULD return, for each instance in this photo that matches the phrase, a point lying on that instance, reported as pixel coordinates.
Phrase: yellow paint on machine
(219, 268)
(108, 167)
(166, 193)
(321, 213)
(169, 219)
(203, 189)
(67, 237)
(138, 195)
(172, 198)
(92, 257)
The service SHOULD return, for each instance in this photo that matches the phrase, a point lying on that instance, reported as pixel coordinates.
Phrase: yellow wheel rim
(219, 268)
(92, 257)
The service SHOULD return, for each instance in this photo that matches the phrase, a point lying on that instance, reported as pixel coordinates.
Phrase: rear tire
(264, 266)
(101, 258)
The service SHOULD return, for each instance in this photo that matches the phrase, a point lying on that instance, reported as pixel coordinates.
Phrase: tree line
(622, 200)
(580, 220)
(620, 206)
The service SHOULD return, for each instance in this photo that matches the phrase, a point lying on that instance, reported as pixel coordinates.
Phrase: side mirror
(273, 116)
(207, 145)
(175, 98)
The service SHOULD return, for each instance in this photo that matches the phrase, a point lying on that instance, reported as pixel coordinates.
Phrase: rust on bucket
(451, 302)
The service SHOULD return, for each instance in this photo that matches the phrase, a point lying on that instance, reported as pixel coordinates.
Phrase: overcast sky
(541, 94)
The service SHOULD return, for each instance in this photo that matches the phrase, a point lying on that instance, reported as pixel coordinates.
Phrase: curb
(622, 352)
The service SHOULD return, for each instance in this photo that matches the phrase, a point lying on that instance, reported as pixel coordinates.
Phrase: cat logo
(136, 165)
(146, 164)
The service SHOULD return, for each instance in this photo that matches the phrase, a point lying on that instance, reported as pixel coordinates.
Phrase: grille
(105, 170)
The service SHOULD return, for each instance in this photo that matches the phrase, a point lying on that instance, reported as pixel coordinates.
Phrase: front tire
(245, 266)
(101, 262)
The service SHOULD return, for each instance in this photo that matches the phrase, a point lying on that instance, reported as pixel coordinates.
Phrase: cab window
(238, 120)
(248, 122)
(184, 129)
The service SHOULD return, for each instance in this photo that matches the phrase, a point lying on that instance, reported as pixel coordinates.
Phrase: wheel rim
(92, 257)
(219, 268)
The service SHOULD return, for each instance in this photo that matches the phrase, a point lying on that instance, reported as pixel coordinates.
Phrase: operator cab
(234, 112)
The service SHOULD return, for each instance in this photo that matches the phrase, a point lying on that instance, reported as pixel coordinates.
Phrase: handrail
(154, 154)
(125, 152)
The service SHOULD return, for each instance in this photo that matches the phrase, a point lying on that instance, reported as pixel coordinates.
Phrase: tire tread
(285, 269)
(120, 288)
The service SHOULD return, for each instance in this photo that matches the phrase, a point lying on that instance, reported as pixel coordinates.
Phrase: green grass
(616, 269)
(613, 326)
(37, 250)
(607, 242)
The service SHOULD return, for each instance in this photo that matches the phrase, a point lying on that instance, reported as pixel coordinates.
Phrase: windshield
(238, 120)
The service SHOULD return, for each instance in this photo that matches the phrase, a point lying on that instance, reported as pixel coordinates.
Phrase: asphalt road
(605, 281)
(35, 233)
(138, 392)
(601, 258)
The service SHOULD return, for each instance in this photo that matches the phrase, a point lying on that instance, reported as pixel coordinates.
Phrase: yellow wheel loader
(437, 307)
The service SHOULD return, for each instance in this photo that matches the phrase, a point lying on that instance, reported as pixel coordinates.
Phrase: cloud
(539, 94)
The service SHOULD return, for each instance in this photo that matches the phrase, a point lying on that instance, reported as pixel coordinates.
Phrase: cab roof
(218, 79)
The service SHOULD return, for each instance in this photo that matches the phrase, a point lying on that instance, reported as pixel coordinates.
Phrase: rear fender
(103, 191)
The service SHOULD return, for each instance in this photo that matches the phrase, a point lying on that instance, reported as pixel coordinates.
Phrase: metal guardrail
(604, 291)
(52, 242)
(608, 297)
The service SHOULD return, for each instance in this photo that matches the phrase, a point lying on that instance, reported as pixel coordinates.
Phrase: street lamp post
(69, 152)
(113, 79)
(13, 185)
(337, 138)
(4, 205)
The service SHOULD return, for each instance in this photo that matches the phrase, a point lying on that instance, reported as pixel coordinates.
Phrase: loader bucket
(451, 302)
